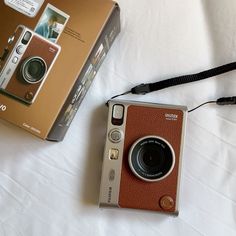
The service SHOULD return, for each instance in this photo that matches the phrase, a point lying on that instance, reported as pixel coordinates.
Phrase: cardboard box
(50, 52)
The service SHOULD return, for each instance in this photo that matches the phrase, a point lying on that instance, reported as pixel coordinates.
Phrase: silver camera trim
(109, 189)
(134, 171)
(8, 70)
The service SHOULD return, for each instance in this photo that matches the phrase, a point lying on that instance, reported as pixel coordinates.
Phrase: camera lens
(33, 70)
(148, 158)
(151, 158)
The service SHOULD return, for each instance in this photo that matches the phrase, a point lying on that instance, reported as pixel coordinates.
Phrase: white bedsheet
(51, 189)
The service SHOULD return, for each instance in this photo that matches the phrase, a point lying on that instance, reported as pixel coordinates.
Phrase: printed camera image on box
(28, 64)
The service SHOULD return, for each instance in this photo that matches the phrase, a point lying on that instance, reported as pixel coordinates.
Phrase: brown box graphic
(49, 55)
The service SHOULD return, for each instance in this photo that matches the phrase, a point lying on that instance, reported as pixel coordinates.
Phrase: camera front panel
(154, 133)
(167, 125)
(30, 63)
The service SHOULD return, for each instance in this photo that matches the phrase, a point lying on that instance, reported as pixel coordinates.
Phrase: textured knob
(29, 96)
(167, 202)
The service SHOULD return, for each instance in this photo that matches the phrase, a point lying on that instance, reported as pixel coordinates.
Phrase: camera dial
(11, 39)
(151, 158)
(20, 50)
(115, 135)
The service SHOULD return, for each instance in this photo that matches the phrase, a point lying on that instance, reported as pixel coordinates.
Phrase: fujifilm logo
(171, 116)
(3, 107)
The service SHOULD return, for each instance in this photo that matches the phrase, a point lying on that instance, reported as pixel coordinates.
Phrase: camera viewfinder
(26, 37)
(118, 114)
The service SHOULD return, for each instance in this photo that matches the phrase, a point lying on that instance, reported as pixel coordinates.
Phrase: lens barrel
(151, 158)
(33, 70)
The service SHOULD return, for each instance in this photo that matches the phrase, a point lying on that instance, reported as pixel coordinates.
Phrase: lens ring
(151, 158)
(33, 70)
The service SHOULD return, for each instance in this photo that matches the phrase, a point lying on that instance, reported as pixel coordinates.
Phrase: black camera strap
(151, 87)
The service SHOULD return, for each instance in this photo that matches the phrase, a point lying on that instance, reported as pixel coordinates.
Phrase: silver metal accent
(127, 103)
(10, 67)
(180, 159)
(134, 171)
(109, 190)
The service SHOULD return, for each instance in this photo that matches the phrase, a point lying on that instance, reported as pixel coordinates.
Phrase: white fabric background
(51, 189)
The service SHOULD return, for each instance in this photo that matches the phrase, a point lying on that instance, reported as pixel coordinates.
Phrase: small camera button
(29, 96)
(20, 50)
(167, 203)
(115, 136)
(15, 60)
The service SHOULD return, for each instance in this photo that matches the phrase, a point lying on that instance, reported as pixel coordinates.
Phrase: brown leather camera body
(159, 195)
